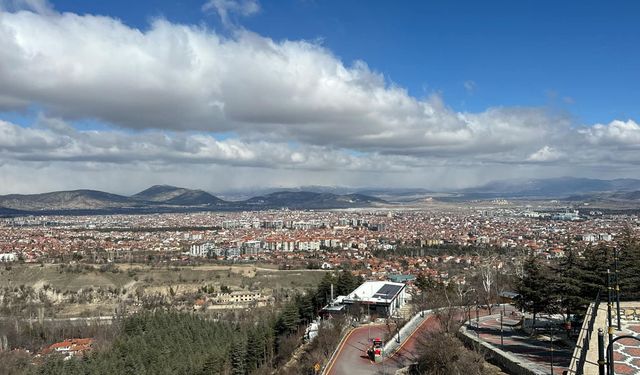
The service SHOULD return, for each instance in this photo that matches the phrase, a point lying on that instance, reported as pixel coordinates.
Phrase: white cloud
(545, 154)
(470, 86)
(181, 77)
(37, 6)
(52, 140)
(615, 134)
(164, 93)
(226, 8)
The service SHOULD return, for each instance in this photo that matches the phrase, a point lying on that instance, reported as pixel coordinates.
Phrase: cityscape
(300, 187)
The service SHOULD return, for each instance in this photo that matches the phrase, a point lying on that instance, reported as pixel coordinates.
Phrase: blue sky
(581, 57)
(225, 94)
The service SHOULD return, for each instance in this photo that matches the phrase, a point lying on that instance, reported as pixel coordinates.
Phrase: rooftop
(375, 292)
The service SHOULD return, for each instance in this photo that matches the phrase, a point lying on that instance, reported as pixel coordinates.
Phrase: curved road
(351, 358)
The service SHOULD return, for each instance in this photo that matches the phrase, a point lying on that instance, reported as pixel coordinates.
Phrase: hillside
(65, 200)
(306, 199)
(164, 198)
(551, 187)
(177, 196)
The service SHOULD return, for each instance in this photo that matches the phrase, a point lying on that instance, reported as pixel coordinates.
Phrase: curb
(327, 368)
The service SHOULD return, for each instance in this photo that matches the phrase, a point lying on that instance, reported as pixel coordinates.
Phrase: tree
(289, 319)
(568, 284)
(629, 266)
(594, 266)
(487, 276)
(346, 283)
(532, 289)
(422, 282)
(237, 355)
(444, 354)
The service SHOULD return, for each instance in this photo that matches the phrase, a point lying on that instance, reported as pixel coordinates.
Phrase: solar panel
(388, 291)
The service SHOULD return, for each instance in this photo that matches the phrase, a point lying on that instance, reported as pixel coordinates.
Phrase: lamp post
(609, 303)
(616, 274)
(501, 332)
(477, 319)
(552, 352)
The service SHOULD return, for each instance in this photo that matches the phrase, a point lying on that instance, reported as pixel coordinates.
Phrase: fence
(592, 313)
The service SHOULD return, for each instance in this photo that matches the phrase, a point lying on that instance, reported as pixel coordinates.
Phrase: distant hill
(551, 187)
(177, 196)
(65, 200)
(619, 197)
(164, 198)
(308, 199)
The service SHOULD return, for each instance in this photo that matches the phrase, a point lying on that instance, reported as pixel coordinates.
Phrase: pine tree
(422, 283)
(323, 292)
(533, 290)
(288, 320)
(252, 350)
(237, 355)
(595, 265)
(629, 266)
(567, 284)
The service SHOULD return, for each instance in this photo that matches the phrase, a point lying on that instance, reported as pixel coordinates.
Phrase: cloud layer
(169, 92)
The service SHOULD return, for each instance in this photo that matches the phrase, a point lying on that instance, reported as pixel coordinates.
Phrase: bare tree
(488, 278)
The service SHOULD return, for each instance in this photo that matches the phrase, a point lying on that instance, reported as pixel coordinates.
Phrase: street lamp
(477, 319)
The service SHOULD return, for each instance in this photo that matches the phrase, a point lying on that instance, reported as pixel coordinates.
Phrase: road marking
(344, 340)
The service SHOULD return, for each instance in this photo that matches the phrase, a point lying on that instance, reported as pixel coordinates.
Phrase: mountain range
(164, 198)
(554, 187)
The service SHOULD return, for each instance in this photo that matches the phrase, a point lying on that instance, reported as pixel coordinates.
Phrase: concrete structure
(626, 351)
(382, 297)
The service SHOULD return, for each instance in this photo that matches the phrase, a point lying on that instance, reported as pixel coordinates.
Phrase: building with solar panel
(382, 298)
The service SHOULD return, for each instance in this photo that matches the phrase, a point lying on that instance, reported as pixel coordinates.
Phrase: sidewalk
(533, 353)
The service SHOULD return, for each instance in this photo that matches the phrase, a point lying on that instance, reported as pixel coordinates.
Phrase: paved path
(626, 353)
(536, 352)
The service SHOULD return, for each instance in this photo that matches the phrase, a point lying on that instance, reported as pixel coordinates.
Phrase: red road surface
(352, 359)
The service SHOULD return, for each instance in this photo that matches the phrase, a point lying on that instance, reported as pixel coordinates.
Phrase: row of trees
(568, 286)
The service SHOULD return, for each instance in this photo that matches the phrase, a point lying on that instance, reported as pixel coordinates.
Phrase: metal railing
(586, 339)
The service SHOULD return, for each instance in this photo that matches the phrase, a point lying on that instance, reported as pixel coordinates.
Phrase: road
(351, 358)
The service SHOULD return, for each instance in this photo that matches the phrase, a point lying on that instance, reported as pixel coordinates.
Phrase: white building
(382, 297)
(202, 249)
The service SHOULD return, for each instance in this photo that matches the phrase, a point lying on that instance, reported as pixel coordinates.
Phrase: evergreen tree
(629, 266)
(253, 351)
(567, 284)
(595, 265)
(534, 296)
(323, 292)
(422, 283)
(289, 319)
(237, 355)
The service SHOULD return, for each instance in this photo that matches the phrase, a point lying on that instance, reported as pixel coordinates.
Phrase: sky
(235, 94)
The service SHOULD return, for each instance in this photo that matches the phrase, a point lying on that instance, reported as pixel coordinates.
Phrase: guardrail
(585, 337)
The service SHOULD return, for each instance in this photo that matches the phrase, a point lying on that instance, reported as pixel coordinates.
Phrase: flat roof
(375, 292)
